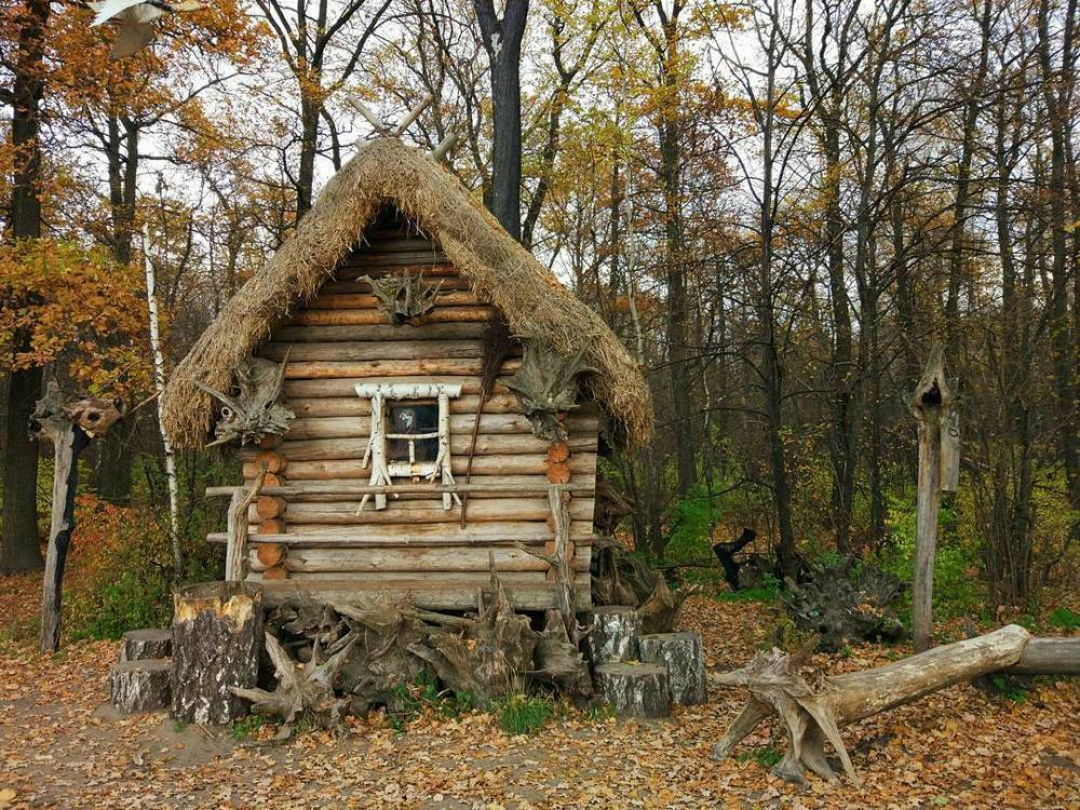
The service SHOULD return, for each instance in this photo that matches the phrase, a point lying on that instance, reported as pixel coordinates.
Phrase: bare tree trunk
(502, 40)
(19, 547)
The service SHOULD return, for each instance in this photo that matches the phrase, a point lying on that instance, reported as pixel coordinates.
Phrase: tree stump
(217, 634)
(635, 690)
(614, 634)
(140, 686)
(682, 655)
(144, 645)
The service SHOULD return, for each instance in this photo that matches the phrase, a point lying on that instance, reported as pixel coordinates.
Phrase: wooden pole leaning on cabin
(236, 551)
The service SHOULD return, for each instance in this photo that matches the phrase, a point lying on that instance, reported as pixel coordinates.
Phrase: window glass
(409, 418)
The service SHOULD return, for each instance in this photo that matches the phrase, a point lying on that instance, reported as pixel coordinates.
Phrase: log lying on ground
(684, 658)
(1049, 656)
(140, 686)
(813, 706)
(141, 645)
(303, 691)
(217, 633)
(635, 690)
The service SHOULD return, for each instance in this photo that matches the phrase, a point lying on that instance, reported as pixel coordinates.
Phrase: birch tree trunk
(159, 387)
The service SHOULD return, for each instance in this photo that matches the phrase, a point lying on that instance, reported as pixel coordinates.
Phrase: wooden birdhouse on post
(437, 399)
(934, 408)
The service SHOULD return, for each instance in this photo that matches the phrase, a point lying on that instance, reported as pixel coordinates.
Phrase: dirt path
(59, 747)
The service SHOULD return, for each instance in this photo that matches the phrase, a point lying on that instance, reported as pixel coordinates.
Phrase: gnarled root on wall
(813, 706)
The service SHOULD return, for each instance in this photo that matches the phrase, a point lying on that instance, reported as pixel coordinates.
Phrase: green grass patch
(524, 714)
(245, 727)
(410, 700)
(1064, 619)
(765, 755)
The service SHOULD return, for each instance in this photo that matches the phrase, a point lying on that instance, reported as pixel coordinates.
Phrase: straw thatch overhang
(383, 172)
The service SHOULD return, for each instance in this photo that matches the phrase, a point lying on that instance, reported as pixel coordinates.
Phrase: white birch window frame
(383, 469)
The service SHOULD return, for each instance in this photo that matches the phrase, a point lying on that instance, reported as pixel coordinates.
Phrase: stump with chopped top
(217, 635)
(682, 655)
(613, 637)
(634, 689)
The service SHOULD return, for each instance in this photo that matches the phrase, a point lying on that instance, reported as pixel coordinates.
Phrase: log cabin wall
(319, 545)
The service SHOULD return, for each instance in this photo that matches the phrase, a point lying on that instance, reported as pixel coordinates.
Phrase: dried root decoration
(547, 386)
(255, 409)
(813, 706)
(303, 690)
(403, 297)
(845, 610)
(485, 657)
(622, 578)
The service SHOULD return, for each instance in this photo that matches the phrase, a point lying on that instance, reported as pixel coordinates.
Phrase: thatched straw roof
(386, 171)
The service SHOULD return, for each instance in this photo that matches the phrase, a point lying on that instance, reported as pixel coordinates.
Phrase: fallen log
(813, 706)
(1048, 656)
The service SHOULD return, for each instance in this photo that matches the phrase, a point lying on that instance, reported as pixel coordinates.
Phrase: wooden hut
(352, 370)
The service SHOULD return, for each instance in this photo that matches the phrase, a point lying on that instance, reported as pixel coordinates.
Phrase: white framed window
(410, 435)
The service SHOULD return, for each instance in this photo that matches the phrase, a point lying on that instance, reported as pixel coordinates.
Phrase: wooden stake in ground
(933, 408)
(70, 428)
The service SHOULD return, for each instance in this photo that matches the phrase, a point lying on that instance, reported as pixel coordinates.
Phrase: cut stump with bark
(684, 658)
(142, 645)
(140, 686)
(217, 633)
(614, 634)
(632, 689)
(813, 706)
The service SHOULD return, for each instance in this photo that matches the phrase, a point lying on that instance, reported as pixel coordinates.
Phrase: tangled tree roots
(303, 690)
(843, 611)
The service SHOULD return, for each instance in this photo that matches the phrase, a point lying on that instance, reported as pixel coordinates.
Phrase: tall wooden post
(934, 411)
(70, 428)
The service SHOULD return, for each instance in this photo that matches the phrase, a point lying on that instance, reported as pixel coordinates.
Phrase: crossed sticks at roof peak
(387, 131)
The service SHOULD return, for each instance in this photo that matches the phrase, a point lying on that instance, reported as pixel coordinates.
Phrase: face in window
(409, 419)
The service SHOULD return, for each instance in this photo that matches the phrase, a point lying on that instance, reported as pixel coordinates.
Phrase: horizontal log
(1048, 656)
(355, 350)
(379, 332)
(325, 369)
(423, 533)
(322, 537)
(449, 298)
(321, 560)
(583, 464)
(488, 486)
(445, 593)
(343, 513)
(361, 406)
(461, 424)
(348, 317)
(346, 386)
(358, 287)
(383, 258)
(498, 444)
(395, 242)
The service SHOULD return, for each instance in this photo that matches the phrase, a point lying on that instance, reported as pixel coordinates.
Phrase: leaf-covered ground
(60, 746)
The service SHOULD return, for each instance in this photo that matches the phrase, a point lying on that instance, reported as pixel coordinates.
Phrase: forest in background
(778, 205)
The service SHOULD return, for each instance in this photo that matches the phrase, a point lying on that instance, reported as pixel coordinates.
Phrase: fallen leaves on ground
(60, 746)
